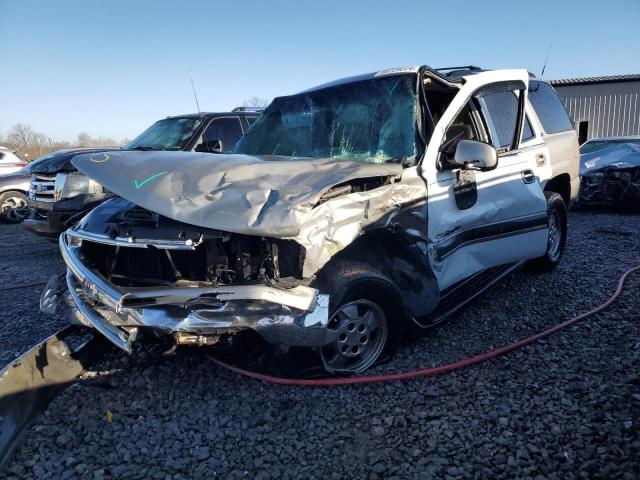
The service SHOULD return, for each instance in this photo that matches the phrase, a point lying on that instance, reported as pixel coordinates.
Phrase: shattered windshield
(368, 121)
(167, 134)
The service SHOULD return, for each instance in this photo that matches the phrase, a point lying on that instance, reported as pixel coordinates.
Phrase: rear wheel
(557, 238)
(13, 207)
(366, 317)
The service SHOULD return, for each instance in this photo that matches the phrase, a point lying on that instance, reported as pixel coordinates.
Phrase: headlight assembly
(69, 185)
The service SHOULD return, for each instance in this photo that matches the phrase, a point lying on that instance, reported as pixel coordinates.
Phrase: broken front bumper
(292, 317)
(611, 186)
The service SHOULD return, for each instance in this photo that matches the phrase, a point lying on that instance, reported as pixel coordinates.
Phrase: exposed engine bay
(610, 170)
(181, 253)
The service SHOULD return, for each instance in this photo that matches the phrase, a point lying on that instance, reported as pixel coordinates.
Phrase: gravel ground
(24, 258)
(566, 407)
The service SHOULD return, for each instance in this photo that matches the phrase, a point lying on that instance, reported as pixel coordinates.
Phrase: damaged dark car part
(30, 382)
(610, 172)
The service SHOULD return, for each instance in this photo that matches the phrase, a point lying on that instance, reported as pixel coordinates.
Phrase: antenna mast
(194, 93)
(546, 60)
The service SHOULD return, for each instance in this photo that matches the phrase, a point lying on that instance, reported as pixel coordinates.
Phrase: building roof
(590, 80)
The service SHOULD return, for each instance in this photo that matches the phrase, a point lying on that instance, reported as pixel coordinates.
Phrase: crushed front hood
(265, 195)
(618, 156)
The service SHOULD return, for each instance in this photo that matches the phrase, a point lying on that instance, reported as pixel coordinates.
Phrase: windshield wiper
(143, 148)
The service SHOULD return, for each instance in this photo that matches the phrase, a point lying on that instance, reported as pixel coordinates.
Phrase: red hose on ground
(424, 372)
(24, 285)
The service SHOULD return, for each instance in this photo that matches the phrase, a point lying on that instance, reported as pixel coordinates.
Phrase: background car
(610, 172)
(13, 196)
(10, 161)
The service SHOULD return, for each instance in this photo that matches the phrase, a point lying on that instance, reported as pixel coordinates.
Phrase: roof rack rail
(464, 67)
(459, 71)
(248, 109)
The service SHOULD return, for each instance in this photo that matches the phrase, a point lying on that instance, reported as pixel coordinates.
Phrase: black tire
(9, 200)
(557, 213)
(356, 285)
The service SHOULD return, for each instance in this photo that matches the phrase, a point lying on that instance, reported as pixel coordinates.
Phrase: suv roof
(447, 74)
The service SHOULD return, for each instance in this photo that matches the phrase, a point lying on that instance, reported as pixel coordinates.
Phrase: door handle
(528, 176)
(540, 159)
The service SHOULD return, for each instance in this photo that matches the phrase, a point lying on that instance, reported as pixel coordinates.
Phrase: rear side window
(548, 107)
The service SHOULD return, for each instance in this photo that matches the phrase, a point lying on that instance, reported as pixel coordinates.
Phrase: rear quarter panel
(565, 157)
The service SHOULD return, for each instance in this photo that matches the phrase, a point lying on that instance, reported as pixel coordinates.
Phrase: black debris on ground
(566, 407)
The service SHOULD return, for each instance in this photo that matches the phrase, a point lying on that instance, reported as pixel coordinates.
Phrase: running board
(460, 294)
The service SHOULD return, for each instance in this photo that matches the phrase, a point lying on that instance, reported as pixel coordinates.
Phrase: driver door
(480, 219)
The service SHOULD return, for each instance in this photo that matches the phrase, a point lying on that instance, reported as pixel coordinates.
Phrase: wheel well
(399, 257)
(561, 185)
(10, 190)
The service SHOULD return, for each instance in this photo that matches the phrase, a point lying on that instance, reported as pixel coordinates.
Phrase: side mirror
(212, 146)
(473, 155)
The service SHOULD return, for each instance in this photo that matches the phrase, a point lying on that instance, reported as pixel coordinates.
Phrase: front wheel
(366, 319)
(557, 238)
(13, 207)
(361, 330)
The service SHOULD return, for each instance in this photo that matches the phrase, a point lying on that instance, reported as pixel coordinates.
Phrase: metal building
(602, 106)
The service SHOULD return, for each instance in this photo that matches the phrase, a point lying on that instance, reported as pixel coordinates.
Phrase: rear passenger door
(499, 216)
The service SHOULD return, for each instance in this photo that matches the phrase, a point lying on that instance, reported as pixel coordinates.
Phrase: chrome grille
(42, 187)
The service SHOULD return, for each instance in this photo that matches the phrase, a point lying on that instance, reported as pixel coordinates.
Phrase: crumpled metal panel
(619, 155)
(269, 196)
(611, 176)
(335, 224)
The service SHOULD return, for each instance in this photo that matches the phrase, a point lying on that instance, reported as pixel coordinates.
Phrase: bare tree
(255, 102)
(28, 142)
(84, 140)
(21, 135)
(32, 144)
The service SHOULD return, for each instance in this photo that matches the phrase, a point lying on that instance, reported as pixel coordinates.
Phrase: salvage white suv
(349, 215)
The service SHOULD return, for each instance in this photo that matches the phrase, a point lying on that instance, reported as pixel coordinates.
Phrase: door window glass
(461, 128)
(502, 108)
(228, 130)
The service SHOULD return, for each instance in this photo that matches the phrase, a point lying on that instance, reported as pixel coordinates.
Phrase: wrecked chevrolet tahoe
(348, 216)
(59, 194)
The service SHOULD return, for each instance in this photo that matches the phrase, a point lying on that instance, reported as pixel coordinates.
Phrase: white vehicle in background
(10, 161)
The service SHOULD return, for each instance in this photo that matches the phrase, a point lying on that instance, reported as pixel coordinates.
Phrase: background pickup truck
(60, 193)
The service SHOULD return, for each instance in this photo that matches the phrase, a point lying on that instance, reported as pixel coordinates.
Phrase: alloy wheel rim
(14, 208)
(360, 331)
(555, 235)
